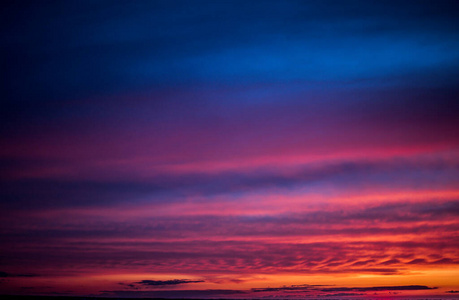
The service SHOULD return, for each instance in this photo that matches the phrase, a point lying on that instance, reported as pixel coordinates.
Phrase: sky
(230, 149)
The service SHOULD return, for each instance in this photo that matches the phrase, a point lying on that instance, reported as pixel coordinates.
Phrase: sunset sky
(229, 149)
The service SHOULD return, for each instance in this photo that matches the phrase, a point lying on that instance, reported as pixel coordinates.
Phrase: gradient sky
(229, 149)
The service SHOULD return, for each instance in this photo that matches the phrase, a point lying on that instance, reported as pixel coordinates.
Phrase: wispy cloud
(380, 288)
(172, 293)
(286, 291)
(4, 275)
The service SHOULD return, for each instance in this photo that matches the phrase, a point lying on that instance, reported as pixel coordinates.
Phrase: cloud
(46, 193)
(452, 292)
(343, 294)
(303, 288)
(393, 218)
(172, 293)
(4, 275)
(197, 257)
(323, 288)
(140, 285)
(380, 288)
(166, 282)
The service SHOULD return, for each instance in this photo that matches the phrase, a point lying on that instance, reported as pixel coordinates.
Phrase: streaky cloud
(166, 282)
